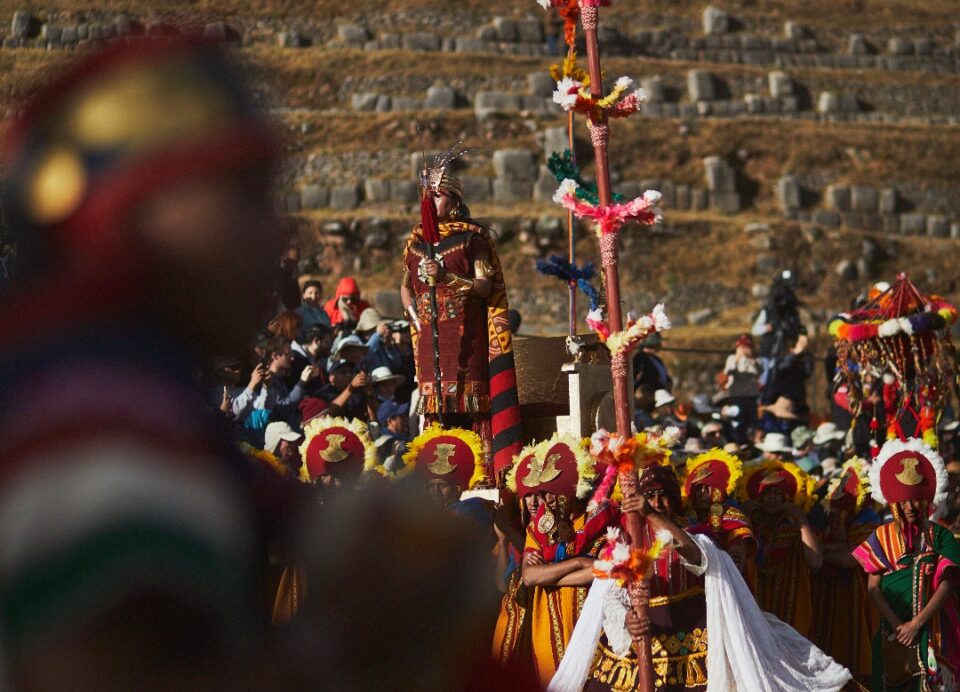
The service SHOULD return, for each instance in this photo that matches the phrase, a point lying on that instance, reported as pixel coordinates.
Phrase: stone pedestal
(590, 390)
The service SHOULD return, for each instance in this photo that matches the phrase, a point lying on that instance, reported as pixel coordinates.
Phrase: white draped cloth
(747, 649)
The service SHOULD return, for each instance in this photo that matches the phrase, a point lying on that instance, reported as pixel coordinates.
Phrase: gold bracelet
(458, 283)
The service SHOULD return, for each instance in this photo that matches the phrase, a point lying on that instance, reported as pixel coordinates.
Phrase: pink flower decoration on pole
(643, 209)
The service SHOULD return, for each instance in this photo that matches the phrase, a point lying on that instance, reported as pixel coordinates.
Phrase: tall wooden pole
(609, 254)
(571, 235)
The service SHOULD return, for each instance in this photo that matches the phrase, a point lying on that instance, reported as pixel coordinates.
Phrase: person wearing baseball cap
(394, 420)
(283, 442)
(350, 392)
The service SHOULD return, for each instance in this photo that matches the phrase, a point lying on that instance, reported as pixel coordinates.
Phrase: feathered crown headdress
(435, 178)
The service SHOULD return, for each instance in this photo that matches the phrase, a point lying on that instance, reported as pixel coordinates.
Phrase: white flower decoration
(652, 196)
(621, 553)
(567, 188)
(623, 83)
(670, 436)
(660, 319)
(603, 566)
(641, 95)
(664, 537)
(566, 93)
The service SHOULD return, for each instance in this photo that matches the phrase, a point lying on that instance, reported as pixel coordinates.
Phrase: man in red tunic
(477, 387)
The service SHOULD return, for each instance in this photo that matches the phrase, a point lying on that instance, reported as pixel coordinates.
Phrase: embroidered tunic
(678, 633)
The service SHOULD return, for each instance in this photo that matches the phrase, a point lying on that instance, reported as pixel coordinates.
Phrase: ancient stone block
(654, 87)
(824, 217)
(511, 191)
(922, 45)
(352, 34)
(314, 197)
(546, 185)
(788, 193)
(384, 103)
(725, 202)
(540, 83)
(530, 31)
(720, 175)
(837, 198)
(913, 224)
(849, 103)
(828, 102)
(476, 188)
(506, 29)
(899, 46)
(555, 140)
(20, 26)
(514, 164)
(857, 45)
(793, 30)
(780, 84)
(699, 199)
(420, 40)
(487, 103)
(700, 86)
(668, 190)
(888, 201)
(753, 103)
(344, 197)
(366, 101)
(50, 33)
(699, 317)
(863, 198)
(403, 191)
(470, 45)
(289, 39)
(715, 21)
(405, 103)
(376, 190)
(630, 189)
(938, 227)
(440, 97)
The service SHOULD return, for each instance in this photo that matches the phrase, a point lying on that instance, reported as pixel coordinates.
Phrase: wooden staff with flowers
(574, 95)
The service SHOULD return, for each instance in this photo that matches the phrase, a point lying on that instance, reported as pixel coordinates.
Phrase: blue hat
(337, 363)
(389, 409)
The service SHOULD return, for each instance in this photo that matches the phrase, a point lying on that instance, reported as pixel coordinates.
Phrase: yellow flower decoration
(569, 69)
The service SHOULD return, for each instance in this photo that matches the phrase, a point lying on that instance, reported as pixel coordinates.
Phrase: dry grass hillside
(893, 153)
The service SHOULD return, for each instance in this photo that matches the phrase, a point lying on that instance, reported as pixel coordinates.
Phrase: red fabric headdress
(560, 465)
(337, 447)
(453, 455)
(908, 470)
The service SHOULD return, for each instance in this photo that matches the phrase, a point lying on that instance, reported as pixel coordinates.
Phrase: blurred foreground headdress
(116, 125)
